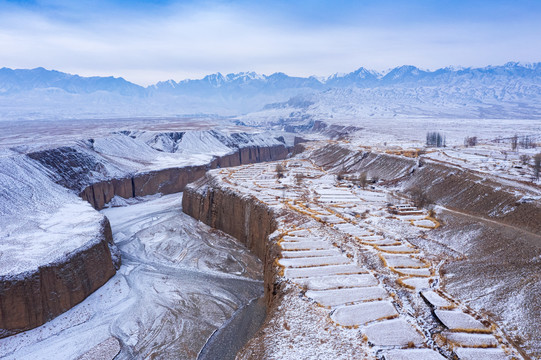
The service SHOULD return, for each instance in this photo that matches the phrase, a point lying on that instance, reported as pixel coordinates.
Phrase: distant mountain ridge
(19, 80)
(361, 77)
(34, 93)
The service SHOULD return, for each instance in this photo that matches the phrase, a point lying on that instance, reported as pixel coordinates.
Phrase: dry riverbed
(179, 282)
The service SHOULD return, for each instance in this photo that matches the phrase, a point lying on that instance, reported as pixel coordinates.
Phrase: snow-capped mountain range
(47, 93)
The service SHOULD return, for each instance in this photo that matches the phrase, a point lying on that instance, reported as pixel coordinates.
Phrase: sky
(150, 41)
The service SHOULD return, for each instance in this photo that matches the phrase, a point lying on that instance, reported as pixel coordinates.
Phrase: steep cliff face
(55, 249)
(165, 181)
(58, 249)
(41, 295)
(242, 217)
(172, 180)
(239, 216)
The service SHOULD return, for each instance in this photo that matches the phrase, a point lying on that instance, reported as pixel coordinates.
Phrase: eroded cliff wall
(240, 216)
(32, 300)
(172, 180)
(126, 165)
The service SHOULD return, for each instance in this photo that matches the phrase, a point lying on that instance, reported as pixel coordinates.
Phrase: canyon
(101, 170)
(337, 266)
(465, 268)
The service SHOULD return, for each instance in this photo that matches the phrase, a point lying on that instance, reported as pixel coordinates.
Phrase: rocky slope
(455, 188)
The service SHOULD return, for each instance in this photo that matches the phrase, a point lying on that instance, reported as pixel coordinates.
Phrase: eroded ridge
(347, 252)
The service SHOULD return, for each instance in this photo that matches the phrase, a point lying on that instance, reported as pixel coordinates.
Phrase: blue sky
(148, 41)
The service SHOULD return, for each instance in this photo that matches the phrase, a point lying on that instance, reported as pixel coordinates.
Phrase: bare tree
(527, 142)
(279, 171)
(514, 142)
(536, 166)
(363, 180)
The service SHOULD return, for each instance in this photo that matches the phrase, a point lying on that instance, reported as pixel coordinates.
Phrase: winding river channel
(180, 285)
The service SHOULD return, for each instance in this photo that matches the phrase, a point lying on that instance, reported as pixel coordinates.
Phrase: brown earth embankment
(172, 180)
(243, 217)
(33, 299)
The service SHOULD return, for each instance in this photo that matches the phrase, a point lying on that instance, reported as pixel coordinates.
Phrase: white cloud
(184, 42)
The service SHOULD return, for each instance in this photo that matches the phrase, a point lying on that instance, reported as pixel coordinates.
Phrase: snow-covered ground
(179, 281)
(364, 267)
(40, 222)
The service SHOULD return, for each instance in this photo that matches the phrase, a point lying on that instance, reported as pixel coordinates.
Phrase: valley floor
(179, 282)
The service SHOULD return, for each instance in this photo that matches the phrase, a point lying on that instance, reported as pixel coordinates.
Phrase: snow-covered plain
(179, 281)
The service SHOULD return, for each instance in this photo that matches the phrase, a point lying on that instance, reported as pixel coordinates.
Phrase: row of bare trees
(525, 142)
(361, 179)
(435, 139)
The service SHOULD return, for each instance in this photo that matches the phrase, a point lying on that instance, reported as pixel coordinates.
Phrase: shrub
(299, 179)
(470, 141)
(525, 159)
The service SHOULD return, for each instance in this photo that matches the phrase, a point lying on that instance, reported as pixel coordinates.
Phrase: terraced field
(351, 257)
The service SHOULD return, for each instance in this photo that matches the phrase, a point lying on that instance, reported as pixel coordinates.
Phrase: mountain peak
(364, 72)
(404, 73)
(237, 84)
